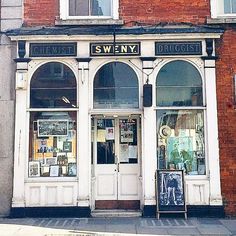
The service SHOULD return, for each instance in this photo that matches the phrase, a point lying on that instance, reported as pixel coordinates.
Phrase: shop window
(116, 86)
(52, 136)
(89, 9)
(180, 130)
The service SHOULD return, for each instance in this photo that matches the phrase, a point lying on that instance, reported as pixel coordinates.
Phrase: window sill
(89, 22)
(222, 20)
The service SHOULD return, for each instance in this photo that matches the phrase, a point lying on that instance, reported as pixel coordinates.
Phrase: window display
(53, 144)
(180, 119)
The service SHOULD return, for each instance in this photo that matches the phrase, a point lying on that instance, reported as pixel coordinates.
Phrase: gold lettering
(107, 48)
(132, 48)
(98, 49)
(124, 48)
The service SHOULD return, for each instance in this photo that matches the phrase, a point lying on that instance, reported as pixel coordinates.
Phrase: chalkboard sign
(170, 192)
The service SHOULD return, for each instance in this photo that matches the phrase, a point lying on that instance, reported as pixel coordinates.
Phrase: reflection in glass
(116, 86)
(53, 85)
(90, 7)
(180, 135)
(179, 84)
(229, 6)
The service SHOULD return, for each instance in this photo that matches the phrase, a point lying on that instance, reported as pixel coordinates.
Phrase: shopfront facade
(89, 136)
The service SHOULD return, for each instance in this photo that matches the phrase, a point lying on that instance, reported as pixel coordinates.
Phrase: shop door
(117, 168)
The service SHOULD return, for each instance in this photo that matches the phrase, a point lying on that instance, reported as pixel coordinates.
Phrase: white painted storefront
(122, 178)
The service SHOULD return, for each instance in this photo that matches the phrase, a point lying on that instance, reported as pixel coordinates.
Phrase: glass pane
(233, 6)
(78, 7)
(53, 85)
(116, 86)
(105, 141)
(227, 6)
(101, 7)
(128, 150)
(179, 84)
(180, 135)
(52, 149)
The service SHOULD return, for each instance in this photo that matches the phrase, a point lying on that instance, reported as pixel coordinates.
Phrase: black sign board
(53, 49)
(178, 48)
(117, 49)
(170, 192)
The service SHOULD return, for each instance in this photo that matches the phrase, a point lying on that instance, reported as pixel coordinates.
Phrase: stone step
(116, 213)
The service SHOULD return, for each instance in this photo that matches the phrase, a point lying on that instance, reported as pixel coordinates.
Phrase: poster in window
(52, 128)
(72, 169)
(67, 146)
(170, 191)
(110, 133)
(124, 153)
(34, 169)
(101, 135)
(126, 136)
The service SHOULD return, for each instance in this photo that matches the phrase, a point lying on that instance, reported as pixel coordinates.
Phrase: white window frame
(64, 12)
(217, 7)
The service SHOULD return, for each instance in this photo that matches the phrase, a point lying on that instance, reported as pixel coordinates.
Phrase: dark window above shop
(53, 85)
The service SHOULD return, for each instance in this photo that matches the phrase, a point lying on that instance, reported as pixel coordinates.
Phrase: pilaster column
(149, 160)
(212, 132)
(84, 159)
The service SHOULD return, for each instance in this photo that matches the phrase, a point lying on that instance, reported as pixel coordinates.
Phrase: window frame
(64, 12)
(215, 10)
(202, 108)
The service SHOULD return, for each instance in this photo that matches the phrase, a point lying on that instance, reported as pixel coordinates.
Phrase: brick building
(109, 91)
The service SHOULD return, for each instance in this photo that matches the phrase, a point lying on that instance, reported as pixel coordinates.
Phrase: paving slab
(230, 225)
(183, 231)
(213, 229)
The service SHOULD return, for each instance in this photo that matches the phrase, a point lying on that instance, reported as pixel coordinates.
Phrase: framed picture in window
(170, 192)
(54, 170)
(72, 169)
(34, 169)
(52, 128)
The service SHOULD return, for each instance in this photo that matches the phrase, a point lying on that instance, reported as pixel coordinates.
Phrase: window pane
(101, 7)
(52, 149)
(90, 7)
(105, 147)
(78, 7)
(53, 85)
(233, 6)
(180, 135)
(179, 84)
(116, 86)
(227, 6)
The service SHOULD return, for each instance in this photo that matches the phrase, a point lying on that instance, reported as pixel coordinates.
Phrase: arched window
(180, 118)
(52, 138)
(116, 86)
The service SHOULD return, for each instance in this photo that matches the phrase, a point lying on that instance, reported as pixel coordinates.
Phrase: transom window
(223, 8)
(116, 86)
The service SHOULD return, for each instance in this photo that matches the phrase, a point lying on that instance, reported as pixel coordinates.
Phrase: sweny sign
(115, 49)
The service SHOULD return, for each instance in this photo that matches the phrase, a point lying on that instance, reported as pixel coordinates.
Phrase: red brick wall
(40, 12)
(154, 11)
(44, 12)
(225, 70)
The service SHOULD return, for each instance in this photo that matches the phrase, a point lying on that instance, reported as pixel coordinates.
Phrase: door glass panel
(105, 141)
(128, 151)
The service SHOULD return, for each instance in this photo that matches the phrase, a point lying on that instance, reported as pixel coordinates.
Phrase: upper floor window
(89, 9)
(223, 8)
(230, 6)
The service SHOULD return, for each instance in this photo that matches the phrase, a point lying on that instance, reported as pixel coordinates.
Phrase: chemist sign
(115, 49)
(178, 48)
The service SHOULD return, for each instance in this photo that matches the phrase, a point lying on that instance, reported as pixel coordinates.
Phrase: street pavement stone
(116, 226)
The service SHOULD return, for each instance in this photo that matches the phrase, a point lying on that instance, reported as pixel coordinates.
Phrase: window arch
(116, 86)
(180, 118)
(53, 122)
(53, 85)
(179, 84)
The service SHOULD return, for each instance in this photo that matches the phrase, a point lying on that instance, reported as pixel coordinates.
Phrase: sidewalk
(116, 226)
